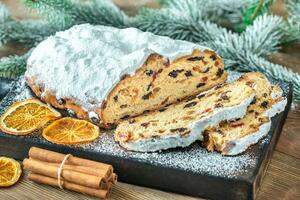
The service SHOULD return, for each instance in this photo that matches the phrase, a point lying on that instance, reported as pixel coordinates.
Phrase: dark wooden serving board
(164, 175)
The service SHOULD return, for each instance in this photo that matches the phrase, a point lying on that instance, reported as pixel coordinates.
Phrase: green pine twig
(12, 66)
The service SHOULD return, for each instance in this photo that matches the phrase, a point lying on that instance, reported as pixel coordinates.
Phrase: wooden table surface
(282, 179)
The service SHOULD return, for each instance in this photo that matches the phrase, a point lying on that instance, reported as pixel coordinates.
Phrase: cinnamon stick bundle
(70, 186)
(77, 174)
(68, 175)
(54, 157)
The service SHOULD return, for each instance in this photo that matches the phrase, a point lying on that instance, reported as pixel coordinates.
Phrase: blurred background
(288, 56)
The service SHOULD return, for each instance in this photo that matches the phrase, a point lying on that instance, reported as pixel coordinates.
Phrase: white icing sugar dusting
(192, 158)
(85, 62)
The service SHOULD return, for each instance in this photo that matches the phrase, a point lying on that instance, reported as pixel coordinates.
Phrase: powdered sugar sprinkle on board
(193, 158)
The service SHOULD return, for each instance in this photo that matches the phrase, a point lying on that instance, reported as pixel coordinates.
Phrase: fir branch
(161, 23)
(68, 13)
(215, 11)
(255, 63)
(239, 13)
(186, 20)
(13, 66)
(26, 32)
(264, 36)
(253, 10)
(292, 27)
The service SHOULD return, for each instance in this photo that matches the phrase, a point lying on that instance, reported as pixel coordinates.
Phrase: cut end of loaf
(158, 83)
(234, 137)
(181, 124)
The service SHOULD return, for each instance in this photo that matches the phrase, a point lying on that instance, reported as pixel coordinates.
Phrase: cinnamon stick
(82, 169)
(114, 178)
(87, 180)
(68, 185)
(54, 157)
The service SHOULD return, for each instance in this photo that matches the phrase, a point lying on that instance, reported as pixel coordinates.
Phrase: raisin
(188, 73)
(148, 72)
(251, 111)
(110, 125)
(124, 76)
(116, 98)
(155, 136)
(166, 62)
(264, 104)
(250, 83)
(220, 132)
(162, 109)
(206, 70)
(185, 133)
(95, 120)
(218, 87)
(213, 57)
(204, 78)
(256, 114)
(123, 106)
(125, 117)
(148, 87)
(147, 96)
(61, 101)
(190, 104)
(174, 73)
(146, 111)
(167, 105)
(178, 129)
(201, 96)
(190, 98)
(224, 96)
(146, 124)
(200, 85)
(165, 101)
(196, 58)
(265, 95)
(253, 101)
(220, 72)
(218, 105)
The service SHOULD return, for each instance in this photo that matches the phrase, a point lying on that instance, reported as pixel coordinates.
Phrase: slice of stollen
(181, 124)
(234, 137)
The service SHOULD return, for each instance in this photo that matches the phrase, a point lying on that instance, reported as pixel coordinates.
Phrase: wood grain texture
(289, 142)
(29, 190)
(282, 180)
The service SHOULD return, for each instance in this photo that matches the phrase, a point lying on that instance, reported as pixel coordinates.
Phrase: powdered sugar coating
(85, 62)
(192, 158)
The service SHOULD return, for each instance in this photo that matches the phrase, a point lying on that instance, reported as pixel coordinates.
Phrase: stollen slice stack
(181, 124)
(234, 137)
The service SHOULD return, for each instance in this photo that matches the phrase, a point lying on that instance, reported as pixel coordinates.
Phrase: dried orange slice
(71, 131)
(10, 171)
(26, 116)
